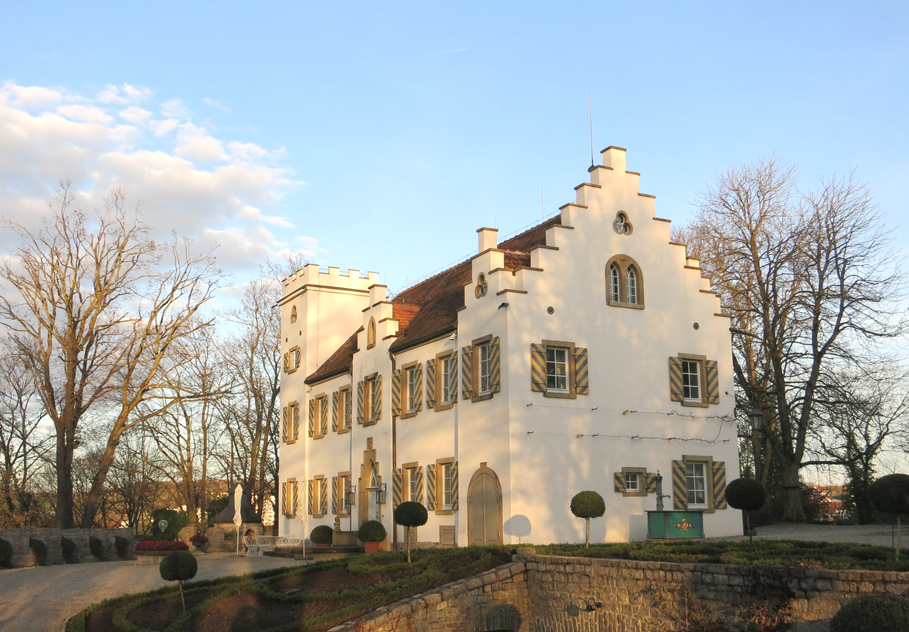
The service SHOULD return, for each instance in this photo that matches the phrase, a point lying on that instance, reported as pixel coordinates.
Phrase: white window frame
(447, 491)
(552, 371)
(632, 482)
(410, 472)
(483, 369)
(372, 390)
(448, 381)
(696, 482)
(344, 485)
(411, 377)
(615, 292)
(631, 286)
(692, 371)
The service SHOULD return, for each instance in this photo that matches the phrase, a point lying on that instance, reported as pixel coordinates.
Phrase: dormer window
(624, 283)
(621, 224)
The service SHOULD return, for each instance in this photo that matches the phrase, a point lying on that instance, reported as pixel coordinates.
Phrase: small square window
(632, 482)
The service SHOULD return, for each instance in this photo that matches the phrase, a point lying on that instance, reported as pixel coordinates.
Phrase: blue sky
(380, 136)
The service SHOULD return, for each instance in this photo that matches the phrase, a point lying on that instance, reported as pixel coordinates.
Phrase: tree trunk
(63, 516)
(792, 493)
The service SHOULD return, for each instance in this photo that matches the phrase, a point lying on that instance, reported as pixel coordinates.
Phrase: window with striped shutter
(312, 417)
(335, 496)
(361, 402)
(679, 485)
(311, 497)
(581, 371)
(323, 496)
(431, 488)
(396, 392)
(713, 382)
(495, 366)
(418, 390)
(397, 487)
(295, 421)
(377, 407)
(335, 410)
(323, 415)
(285, 499)
(675, 379)
(719, 484)
(467, 389)
(294, 498)
(285, 424)
(537, 368)
(430, 384)
(454, 485)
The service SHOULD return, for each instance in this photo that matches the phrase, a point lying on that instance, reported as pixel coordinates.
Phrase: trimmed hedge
(588, 505)
(96, 546)
(372, 531)
(70, 551)
(123, 547)
(40, 550)
(877, 612)
(322, 534)
(746, 494)
(6, 554)
(178, 566)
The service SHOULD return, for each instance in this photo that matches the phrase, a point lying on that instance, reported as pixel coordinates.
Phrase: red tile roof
(430, 308)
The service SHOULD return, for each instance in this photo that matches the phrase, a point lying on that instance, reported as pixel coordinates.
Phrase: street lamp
(756, 417)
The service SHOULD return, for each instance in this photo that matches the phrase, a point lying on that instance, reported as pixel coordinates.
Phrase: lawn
(319, 596)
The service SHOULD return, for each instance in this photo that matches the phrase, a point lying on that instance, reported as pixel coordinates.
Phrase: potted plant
(371, 534)
(322, 535)
(198, 540)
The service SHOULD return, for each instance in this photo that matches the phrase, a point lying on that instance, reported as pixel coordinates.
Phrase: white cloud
(215, 104)
(165, 161)
(123, 95)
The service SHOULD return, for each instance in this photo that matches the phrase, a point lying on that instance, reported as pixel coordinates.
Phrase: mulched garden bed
(315, 597)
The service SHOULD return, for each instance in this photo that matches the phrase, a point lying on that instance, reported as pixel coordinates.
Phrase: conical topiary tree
(410, 514)
(179, 566)
(588, 505)
(890, 494)
(746, 494)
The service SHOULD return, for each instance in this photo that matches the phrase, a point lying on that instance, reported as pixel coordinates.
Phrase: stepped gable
(430, 308)
(338, 363)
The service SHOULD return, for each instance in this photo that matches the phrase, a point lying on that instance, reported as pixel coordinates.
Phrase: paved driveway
(42, 598)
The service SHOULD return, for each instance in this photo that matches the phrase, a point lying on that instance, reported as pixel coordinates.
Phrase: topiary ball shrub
(890, 494)
(411, 514)
(877, 612)
(588, 505)
(123, 547)
(39, 548)
(6, 554)
(70, 552)
(178, 566)
(372, 531)
(96, 546)
(322, 534)
(746, 494)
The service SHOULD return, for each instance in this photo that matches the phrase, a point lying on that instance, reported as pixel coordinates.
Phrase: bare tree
(96, 311)
(859, 412)
(23, 446)
(810, 284)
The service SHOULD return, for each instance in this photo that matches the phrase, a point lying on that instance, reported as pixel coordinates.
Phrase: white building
(586, 353)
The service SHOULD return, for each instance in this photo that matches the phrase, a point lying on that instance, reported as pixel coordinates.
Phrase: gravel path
(877, 534)
(44, 597)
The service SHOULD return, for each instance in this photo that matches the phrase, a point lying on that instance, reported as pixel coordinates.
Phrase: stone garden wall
(24, 555)
(561, 594)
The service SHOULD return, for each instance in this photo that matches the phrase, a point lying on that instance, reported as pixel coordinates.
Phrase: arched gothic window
(624, 283)
(371, 334)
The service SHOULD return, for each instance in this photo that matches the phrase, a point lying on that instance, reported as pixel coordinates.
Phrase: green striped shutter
(323, 496)
(335, 410)
(312, 417)
(618, 482)
(537, 368)
(418, 395)
(361, 401)
(418, 475)
(430, 488)
(713, 382)
(719, 484)
(679, 485)
(334, 495)
(430, 384)
(397, 487)
(454, 485)
(675, 379)
(396, 392)
(581, 374)
(378, 397)
(495, 366)
(650, 483)
(312, 487)
(467, 372)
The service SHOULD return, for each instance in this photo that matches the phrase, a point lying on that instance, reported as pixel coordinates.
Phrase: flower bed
(161, 545)
(198, 539)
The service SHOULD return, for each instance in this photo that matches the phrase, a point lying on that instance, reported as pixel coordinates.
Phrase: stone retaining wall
(564, 594)
(23, 555)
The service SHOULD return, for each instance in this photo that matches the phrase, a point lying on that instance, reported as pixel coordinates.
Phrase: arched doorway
(484, 508)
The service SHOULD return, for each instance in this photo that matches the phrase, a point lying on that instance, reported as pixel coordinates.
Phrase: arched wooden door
(484, 508)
